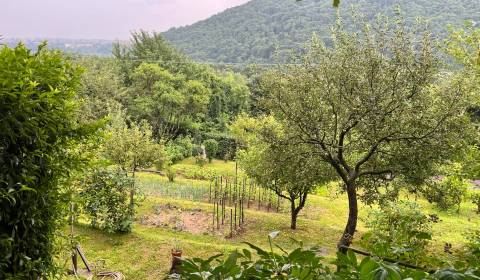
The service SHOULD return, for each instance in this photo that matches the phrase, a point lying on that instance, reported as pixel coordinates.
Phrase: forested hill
(252, 32)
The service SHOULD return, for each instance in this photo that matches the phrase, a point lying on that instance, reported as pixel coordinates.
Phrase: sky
(101, 19)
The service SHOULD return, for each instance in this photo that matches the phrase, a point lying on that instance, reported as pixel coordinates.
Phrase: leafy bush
(398, 230)
(304, 263)
(447, 193)
(472, 256)
(106, 200)
(38, 133)
(211, 148)
(171, 173)
(299, 264)
(227, 145)
(179, 149)
(476, 200)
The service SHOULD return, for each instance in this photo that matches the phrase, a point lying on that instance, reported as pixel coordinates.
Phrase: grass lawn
(145, 253)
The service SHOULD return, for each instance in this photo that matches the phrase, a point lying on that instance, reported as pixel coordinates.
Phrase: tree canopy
(289, 171)
(374, 106)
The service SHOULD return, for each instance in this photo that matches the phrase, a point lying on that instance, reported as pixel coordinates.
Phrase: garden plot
(171, 216)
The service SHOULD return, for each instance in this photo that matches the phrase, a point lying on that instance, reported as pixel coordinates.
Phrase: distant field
(145, 253)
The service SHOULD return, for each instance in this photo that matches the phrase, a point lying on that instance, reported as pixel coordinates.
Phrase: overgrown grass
(145, 253)
(189, 169)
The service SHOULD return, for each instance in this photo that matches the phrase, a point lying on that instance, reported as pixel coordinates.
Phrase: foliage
(301, 263)
(211, 148)
(373, 106)
(175, 95)
(227, 146)
(106, 200)
(130, 145)
(179, 149)
(171, 103)
(274, 27)
(476, 200)
(447, 192)
(171, 173)
(472, 257)
(304, 263)
(288, 170)
(100, 88)
(38, 133)
(399, 230)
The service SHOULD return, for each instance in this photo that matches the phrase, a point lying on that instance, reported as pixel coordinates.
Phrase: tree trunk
(351, 226)
(294, 214)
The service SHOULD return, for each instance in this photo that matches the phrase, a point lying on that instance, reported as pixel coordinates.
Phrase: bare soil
(171, 216)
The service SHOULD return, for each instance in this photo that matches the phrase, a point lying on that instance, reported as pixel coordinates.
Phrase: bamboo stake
(218, 221)
(231, 218)
(235, 221)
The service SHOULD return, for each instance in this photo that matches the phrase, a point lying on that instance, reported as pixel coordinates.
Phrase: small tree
(211, 147)
(131, 146)
(373, 106)
(105, 199)
(288, 171)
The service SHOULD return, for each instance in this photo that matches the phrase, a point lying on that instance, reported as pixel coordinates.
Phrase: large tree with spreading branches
(373, 105)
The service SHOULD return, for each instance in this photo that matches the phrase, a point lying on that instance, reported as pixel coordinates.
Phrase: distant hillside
(87, 47)
(251, 32)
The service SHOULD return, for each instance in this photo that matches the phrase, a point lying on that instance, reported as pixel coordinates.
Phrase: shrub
(304, 263)
(447, 193)
(179, 149)
(398, 230)
(38, 132)
(171, 173)
(226, 144)
(300, 264)
(476, 200)
(211, 148)
(473, 248)
(106, 200)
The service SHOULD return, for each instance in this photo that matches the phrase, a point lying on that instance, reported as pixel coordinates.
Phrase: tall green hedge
(37, 130)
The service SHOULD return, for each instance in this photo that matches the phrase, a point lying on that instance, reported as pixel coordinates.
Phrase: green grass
(189, 169)
(145, 253)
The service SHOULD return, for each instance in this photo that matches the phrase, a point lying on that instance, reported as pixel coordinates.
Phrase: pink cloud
(105, 19)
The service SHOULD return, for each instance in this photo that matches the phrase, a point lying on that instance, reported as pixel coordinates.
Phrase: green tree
(131, 146)
(171, 104)
(211, 148)
(38, 131)
(177, 96)
(289, 171)
(105, 200)
(373, 106)
(100, 87)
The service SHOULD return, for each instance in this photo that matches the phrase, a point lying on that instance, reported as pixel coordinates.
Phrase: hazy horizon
(102, 19)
